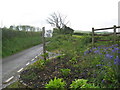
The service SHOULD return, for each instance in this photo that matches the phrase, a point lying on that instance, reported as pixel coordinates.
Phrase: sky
(82, 14)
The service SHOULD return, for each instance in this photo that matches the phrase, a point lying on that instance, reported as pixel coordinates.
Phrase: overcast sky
(82, 14)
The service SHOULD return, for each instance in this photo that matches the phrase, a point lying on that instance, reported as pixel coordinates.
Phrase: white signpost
(45, 33)
(48, 33)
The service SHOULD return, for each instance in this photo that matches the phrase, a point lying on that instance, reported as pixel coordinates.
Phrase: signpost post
(45, 33)
(44, 49)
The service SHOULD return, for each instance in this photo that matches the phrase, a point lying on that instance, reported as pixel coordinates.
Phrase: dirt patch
(36, 78)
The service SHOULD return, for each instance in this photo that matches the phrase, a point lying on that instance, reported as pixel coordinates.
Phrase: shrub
(56, 83)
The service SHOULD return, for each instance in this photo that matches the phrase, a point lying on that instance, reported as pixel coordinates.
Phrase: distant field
(15, 41)
(77, 36)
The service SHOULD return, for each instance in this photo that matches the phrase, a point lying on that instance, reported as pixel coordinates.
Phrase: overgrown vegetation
(79, 66)
(14, 41)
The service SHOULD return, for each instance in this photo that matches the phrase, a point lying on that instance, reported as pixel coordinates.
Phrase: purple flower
(103, 81)
(99, 65)
(109, 56)
(118, 51)
(115, 45)
(87, 52)
(117, 60)
(98, 47)
(115, 49)
(97, 51)
(94, 48)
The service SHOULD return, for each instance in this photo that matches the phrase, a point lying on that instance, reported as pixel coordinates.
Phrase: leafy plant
(30, 76)
(73, 60)
(56, 83)
(81, 83)
(78, 83)
(38, 64)
(65, 72)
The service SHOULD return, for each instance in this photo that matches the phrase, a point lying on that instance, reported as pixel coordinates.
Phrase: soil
(51, 70)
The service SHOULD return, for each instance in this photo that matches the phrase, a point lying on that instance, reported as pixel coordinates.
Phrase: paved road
(14, 63)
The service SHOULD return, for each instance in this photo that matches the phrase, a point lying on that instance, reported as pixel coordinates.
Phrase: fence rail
(114, 33)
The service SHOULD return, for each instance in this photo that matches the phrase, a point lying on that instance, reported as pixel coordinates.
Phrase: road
(12, 65)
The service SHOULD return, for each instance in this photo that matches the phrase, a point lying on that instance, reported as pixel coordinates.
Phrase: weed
(56, 83)
(81, 83)
(65, 72)
(40, 64)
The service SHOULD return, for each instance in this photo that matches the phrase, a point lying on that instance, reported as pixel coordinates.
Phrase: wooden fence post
(44, 49)
(93, 37)
(114, 27)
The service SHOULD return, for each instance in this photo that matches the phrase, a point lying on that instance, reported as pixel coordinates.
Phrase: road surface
(12, 65)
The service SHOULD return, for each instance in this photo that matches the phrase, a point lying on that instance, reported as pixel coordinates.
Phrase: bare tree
(57, 20)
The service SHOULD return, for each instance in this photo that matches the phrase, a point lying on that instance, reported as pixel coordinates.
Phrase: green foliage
(78, 83)
(57, 83)
(89, 86)
(65, 72)
(16, 84)
(81, 83)
(30, 76)
(69, 45)
(101, 70)
(15, 41)
(73, 60)
(67, 30)
(45, 55)
(40, 64)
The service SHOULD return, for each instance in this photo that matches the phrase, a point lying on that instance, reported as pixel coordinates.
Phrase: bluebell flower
(99, 47)
(103, 81)
(94, 48)
(97, 51)
(108, 56)
(115, 49)
(99, 65)
(87, 52)
(115, 45)
(117, 60)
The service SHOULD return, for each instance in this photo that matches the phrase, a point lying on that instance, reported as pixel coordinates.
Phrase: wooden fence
(114, 33)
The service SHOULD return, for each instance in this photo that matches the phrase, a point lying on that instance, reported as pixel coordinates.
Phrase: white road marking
(20, 70)
(8, 80)
(32, 59)
(36, 56)
(27, 63)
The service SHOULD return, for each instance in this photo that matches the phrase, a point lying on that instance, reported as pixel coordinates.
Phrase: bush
(56, 83)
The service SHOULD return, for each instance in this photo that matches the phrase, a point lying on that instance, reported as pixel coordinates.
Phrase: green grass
(16, 41)
(16, 84)
(68, 44)
(77, 36)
